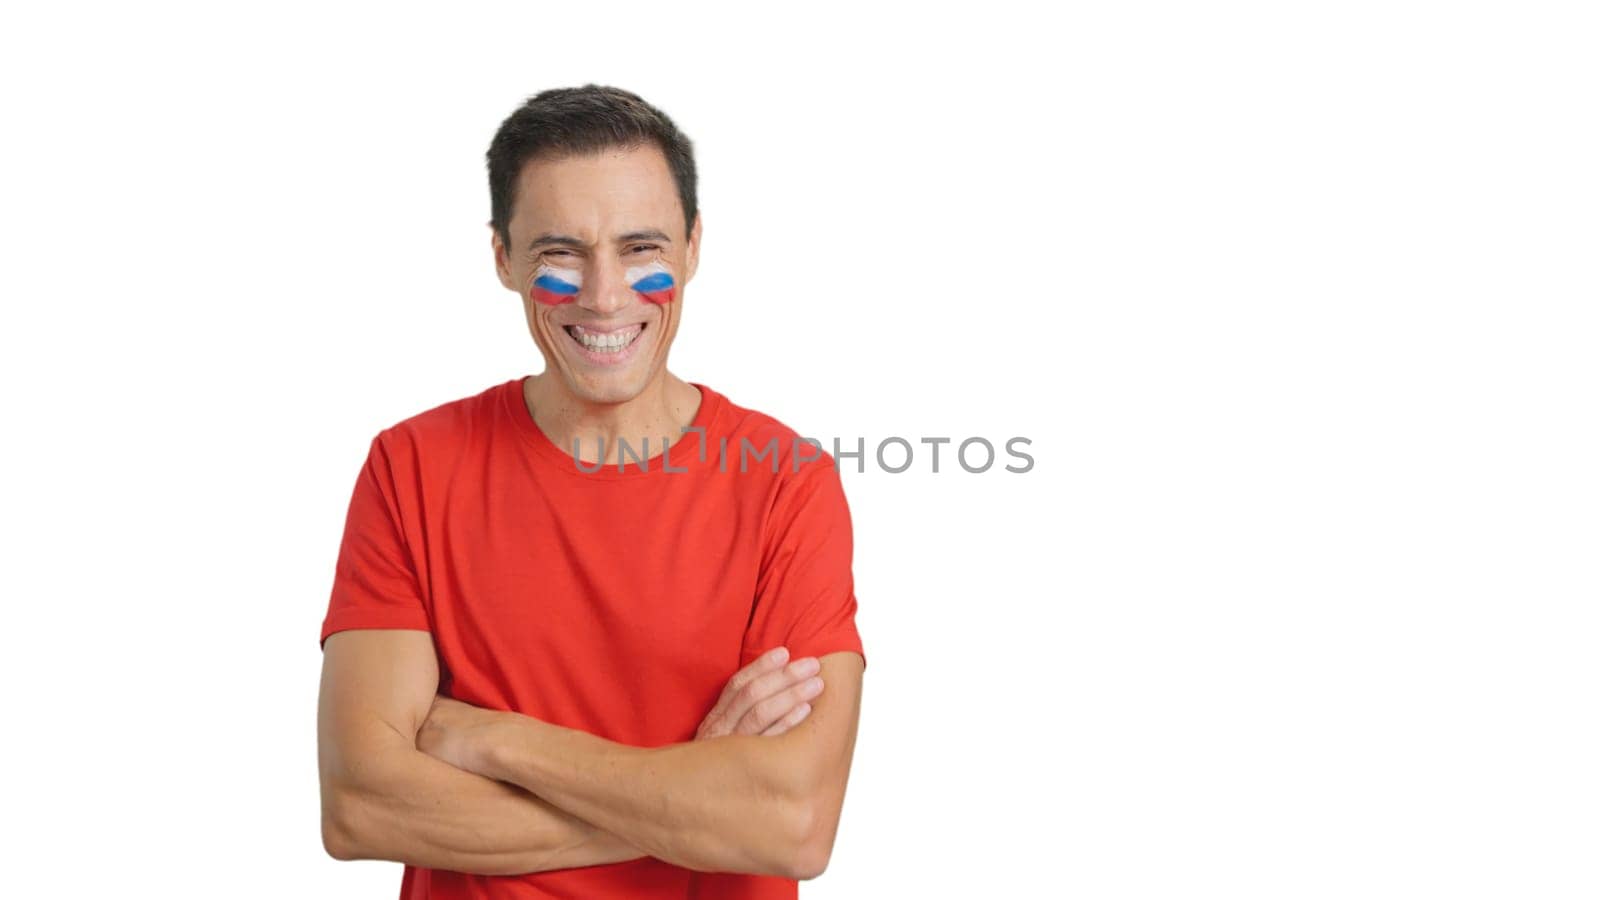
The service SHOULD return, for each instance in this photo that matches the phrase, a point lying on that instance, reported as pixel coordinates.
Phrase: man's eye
(639, 248)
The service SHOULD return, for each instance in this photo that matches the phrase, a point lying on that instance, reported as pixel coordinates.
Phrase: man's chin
(606, 389)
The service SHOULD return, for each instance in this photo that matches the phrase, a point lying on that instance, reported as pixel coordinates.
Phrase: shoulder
(758, 441)
(445, 429)
(802, 493)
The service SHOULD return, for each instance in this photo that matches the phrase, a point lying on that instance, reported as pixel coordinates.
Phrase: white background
(1296, 303)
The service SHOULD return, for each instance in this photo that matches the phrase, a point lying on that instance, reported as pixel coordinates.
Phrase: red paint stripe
(551, 298)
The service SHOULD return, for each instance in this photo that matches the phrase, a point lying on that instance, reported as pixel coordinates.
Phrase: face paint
(653, 281)
(552, 286)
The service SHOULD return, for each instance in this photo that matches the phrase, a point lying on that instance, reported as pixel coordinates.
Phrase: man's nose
(605, 290)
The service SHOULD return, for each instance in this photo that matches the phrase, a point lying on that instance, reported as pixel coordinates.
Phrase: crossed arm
(413, 777)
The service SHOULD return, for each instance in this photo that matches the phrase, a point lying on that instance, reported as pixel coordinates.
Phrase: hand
(765, 697)
(454, 732)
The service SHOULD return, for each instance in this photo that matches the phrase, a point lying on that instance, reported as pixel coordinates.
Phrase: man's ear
(694, 249)
(502, 264)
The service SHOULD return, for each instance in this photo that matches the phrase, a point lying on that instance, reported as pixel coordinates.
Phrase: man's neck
(659, 413)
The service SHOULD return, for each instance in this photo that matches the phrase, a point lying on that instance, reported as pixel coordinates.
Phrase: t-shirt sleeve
(805, 592)
(375, 583)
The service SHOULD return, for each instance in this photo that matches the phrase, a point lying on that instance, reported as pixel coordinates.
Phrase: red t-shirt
(618, 602)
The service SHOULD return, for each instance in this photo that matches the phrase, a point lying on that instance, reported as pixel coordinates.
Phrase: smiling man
(578, 643)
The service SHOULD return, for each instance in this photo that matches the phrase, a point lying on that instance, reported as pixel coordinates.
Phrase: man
(592, 631)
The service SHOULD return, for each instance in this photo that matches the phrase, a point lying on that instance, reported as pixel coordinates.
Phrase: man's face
(599, 256)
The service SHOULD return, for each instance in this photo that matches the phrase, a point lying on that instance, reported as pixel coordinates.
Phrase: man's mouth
(605, 342)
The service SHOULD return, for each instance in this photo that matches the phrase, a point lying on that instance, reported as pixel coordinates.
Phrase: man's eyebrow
(566, 240)
(646, 234)
(561, 240)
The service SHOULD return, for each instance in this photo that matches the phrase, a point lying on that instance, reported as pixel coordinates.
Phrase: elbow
(339, 836)
(808, 865)
(811, 840)
(811, 811)
(337, 842)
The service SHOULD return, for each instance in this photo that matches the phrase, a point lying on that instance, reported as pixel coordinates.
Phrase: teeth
(606, 342)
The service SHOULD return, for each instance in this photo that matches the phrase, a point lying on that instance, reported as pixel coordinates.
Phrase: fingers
(800, 685)
(781, 712)
(762, 695)
(795, 717)
(767, 663)
(722, 717)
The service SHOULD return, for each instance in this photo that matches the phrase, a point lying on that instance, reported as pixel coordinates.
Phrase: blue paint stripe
(555, 285)
(658, 281)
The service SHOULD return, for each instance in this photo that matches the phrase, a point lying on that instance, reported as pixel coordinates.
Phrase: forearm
(729, 803)
(406, 806)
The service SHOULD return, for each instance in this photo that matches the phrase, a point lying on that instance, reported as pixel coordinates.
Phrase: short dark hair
(580, 120)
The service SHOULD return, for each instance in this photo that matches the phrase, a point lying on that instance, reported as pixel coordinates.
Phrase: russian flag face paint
(552, 286)
(653, 282)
